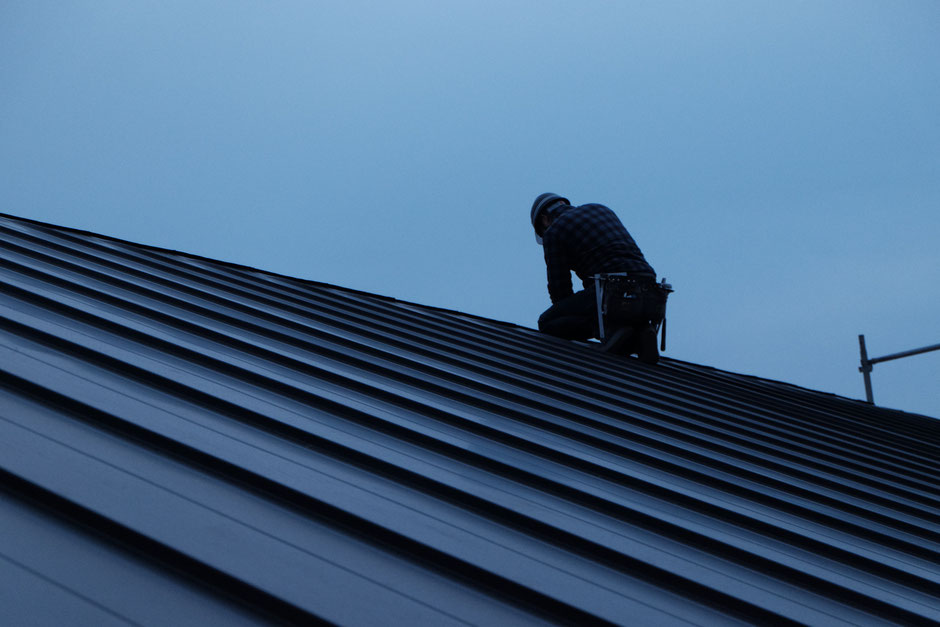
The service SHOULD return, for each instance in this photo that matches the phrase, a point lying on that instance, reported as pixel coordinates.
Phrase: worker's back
(593, 240)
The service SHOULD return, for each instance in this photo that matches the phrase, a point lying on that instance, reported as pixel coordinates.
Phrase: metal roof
(186, 441)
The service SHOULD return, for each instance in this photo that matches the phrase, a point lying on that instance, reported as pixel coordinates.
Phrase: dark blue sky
(778, 162)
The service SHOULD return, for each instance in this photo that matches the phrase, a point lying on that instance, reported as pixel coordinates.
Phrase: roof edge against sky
(240, 266)
(392, 299)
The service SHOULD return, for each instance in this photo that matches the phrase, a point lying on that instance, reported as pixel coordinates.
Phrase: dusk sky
(778, 162)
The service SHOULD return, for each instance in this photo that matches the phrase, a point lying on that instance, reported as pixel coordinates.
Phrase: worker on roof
(590, 239)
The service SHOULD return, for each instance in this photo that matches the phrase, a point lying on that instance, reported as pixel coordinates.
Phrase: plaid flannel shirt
(588, 239)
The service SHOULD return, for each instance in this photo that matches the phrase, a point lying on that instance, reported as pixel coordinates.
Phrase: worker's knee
(567, 327)
(545, 324)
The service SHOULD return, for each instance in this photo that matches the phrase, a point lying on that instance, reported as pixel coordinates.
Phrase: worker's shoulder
(594, 206)
(586, 211)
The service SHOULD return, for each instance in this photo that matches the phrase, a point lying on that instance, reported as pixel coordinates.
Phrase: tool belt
(624, 300)
(629, 301)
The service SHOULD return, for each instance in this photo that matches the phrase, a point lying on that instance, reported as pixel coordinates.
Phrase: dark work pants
(575, 317)
(572, 318)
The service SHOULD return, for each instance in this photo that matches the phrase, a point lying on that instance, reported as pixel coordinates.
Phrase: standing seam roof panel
(668, 494)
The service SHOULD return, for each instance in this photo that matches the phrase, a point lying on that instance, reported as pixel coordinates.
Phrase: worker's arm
(556, 264)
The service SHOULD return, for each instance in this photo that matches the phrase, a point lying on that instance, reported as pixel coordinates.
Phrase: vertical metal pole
(663, 286)
(865, 369)
(599, 294)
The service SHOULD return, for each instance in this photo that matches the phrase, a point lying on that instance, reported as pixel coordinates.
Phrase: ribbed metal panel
(184, 441)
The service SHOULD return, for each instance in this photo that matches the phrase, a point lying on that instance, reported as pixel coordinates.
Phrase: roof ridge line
(431, 308)
(239, 266)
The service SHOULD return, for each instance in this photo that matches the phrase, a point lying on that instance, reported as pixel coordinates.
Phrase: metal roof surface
(185, 441)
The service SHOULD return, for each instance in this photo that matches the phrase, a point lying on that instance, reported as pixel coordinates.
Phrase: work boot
(619, 342)
(646, 346)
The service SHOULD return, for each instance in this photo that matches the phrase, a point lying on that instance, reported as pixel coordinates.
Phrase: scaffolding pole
(867, 363)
